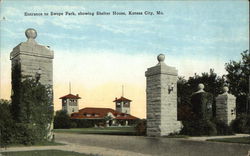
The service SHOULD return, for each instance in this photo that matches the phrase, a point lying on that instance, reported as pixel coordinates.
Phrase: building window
(126, 104)
(118, 104)
(72, 102)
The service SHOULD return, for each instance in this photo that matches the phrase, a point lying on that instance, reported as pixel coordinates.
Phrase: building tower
(70, 103)
(122, 105)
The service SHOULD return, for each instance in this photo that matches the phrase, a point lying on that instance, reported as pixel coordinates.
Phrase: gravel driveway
(139, 145)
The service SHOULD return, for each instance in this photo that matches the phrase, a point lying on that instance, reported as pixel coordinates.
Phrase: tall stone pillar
(32, 60)
(161, 99)
(202, 104)
(226, 107)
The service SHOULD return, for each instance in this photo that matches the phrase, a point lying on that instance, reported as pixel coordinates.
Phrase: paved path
(217, 137)
(100, 151)
(155, 146)
(110, 145)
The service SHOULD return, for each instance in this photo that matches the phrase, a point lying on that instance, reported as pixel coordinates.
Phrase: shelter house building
(99, 116)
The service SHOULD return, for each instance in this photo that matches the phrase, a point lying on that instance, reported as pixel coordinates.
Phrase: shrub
(198, 128)
(202, 105)
(62, 120)
(32, 111)
(73, 124)
(141, 127)
(26, 134)
(241, 124)
(18, 133)
(6, 124)
(222, 128)
(85, 123)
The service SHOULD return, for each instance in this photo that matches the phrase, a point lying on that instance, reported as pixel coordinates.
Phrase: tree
(183, 101)
(212, 82)
(238, 78)
(62, 120)
(185, 88)
(6, 123)
(32, 110)
(238, 75)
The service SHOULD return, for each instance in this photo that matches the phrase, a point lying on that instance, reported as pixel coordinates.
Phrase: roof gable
(100, 113)
(70, 96)
(121, 99)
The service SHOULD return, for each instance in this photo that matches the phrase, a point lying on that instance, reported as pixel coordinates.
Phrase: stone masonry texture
(33, 60)
(226, 108)
(161, 92)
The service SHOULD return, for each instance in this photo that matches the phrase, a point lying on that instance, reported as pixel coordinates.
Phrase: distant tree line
(237, 79)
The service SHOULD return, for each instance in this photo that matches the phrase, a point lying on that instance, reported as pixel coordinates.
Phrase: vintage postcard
(133, 72)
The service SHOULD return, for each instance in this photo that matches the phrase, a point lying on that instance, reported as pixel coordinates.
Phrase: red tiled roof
(121, 99)
(70, 96)
(100, 113)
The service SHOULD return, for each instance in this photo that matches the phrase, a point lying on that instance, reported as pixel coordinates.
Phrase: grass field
(176, 136)
(106, 130)
(37, 144)
(44, 153)
(242, 140)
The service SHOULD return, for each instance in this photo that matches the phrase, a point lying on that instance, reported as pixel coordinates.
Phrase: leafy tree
(35, 103)
(212, 82)
(238, 75)
(16, 88)
(238, 78)
(183, 101)
(31, 109)
(6, 123)
(62, 120)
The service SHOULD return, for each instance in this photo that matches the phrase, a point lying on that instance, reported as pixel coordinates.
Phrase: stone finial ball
(31, 33)
(225, 89)
(201, 86)
(161, 57)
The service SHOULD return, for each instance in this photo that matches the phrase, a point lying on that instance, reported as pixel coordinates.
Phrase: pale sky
(99, 54)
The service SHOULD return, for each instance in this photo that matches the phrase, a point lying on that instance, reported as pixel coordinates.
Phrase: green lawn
(242, 140)
(37, 144)
(106, 130)
(176, 136)
(44, 153)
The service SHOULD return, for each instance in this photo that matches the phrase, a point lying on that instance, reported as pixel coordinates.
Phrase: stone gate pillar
(35, 60)
(226, 107)
(32, 60)
(161, 92)
(202, 104)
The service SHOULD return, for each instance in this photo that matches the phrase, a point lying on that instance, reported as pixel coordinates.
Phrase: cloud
(97, 75)
(63, 36)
